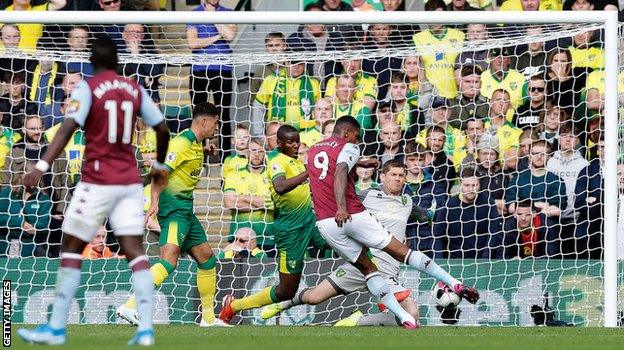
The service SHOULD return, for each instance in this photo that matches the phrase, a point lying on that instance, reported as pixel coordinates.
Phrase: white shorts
(347, 279)
(362, 231)
(91, 204)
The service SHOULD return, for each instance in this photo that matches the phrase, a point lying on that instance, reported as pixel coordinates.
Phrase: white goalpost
(249, 57)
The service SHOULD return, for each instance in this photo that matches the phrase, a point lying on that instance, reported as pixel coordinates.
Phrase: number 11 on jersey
(127, 107)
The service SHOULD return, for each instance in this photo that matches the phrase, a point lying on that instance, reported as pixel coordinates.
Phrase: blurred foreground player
(106, 108)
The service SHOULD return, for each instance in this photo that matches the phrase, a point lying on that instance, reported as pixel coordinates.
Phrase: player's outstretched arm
(340, 192)
(65, 132)
(283, 185)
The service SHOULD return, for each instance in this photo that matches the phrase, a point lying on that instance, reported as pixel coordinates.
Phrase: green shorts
(292, 246)
(181, 229)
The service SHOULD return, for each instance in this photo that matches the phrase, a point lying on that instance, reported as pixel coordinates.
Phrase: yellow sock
(262, 298)
(207, 286)
(159, 271)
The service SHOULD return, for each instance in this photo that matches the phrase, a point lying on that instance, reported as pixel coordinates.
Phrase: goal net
(502, 128)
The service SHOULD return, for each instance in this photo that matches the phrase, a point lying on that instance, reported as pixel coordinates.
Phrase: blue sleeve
(580, 191)
(512, 190)
(496, 234)
(79, 103)
(558, 195)
(150, 113)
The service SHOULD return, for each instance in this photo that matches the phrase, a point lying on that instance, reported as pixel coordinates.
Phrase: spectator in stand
(588, 203)
(362, 6)
(488, 168)
(497, 123)
(525, 141)
(146, 74)
(270, 137)
(342, 35)
(413, 74)
(531, 5)
(500, 76)
(403, 33)
(476, 33)
(31, 148)
(468, 225)
(587, 54)
(8, 137)
(346, 103)
(328, 128)
(78, 42)
(528, 115)
(364, 84)
(13, 104)
(334, 5)
(97, 249)
(144, 140)
(274, 43)
(317, 37)
(552, 118)
(529, 234)
(244, 246)
(469, 104)
(439, 66)
(365, 177)
(31, 32)
(53, 113)
(10, 36)
(25, 214)
(247, 192)
(530, 59)
(460, 5)
(404, 106)
(425, 193)
(511, 162)
(237, 159)
(441, 167)
(287, 96)
(474, 130)
(323, 112)
(390, 143)
(41, 83)
(455, 139)
(212, 39)
(381, 67)
(567, 163)
(544, 188)
(563, 88)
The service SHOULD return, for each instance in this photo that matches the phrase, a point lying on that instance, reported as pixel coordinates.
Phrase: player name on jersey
(108, 85)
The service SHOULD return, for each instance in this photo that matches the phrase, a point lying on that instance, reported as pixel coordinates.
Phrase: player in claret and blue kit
(106, 107)
(350, 229)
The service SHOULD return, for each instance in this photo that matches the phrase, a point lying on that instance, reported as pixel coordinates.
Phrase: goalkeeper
(392, 210)
(181, 231)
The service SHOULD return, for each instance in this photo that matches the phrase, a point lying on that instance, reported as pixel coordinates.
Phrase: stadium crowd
(503, 147)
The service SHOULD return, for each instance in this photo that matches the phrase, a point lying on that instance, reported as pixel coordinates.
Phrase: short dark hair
(313, 6)
(567, 128)
(433, 5)
(284, 130)
(326, 124)
(436, 128)
(346, 122)
(525, 203)
(468, 172)
(206, 109)
(393, 163)
(104, 53)
(542, 143)
(413, 148)
(274, 35)
(471, 70)
(398, 77)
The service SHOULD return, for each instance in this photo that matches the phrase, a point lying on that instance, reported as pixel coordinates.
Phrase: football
(444, 295)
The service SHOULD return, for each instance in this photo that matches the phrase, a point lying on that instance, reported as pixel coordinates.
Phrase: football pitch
(180, 337)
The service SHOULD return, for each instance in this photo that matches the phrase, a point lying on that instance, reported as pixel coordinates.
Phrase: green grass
(181, 337)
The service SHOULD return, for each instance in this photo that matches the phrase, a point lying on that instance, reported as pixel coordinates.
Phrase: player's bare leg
(143, 287)
(311, 296)
(206, 282)
(421, 262)
(67, 281)
(378, 287)
(169, 254)
(285, 290)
